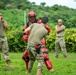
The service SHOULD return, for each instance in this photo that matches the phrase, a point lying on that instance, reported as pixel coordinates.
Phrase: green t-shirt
(2, 33)
(37, 32)
(62, 28)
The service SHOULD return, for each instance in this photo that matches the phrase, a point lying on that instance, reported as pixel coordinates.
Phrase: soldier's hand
(5, 25)
(0, 18)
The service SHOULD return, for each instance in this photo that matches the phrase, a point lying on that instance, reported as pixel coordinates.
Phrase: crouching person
(3, 40)
(37, 32)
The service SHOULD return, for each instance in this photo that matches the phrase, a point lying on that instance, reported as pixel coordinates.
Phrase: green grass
(61, 66)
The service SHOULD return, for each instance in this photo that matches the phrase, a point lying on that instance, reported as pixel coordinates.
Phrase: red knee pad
(26, 53)
(48, 63)
(25, 57)
(46, 57)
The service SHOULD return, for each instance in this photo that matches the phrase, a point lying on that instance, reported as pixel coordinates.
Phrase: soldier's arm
(26, 30)
(5, 25)
(62, 28)
(59, 29)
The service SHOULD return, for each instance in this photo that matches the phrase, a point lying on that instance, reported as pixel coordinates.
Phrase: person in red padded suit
(25, 57)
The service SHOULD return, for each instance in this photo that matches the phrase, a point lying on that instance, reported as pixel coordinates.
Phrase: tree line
(52, 12)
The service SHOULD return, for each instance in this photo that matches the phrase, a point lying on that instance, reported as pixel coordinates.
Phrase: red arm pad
(39, 21)
(48, 63)
(25, 27)
(43, 42)
(48, 29)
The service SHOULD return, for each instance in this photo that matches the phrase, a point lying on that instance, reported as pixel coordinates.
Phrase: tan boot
(65, 56)
(52, 70)
(39, 72)
(8, 63)
(56, 56)
(28, 72)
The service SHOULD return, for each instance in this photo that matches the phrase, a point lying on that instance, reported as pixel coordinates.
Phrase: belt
(38, 45)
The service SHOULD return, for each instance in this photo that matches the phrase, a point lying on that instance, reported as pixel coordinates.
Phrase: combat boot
(8, 63)
(65, 56)
(28, 71)
(39, 72)
(56, 56)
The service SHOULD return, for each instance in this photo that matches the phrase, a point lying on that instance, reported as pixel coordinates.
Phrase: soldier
(32, 19)
(60, 39)
(37, 32)
(3, 40)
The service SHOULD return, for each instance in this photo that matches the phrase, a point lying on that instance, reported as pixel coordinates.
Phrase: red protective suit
(25, 57)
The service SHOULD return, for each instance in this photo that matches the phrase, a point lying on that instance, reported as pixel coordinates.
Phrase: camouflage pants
(4, 48)
(35, 56)
(60, 42)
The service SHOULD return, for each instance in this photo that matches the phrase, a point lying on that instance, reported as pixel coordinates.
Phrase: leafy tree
(33, 3)
(2, 6)
(43, 4)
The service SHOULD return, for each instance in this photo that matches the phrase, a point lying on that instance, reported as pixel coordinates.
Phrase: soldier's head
(44, 20)
(32, 16)
(60, 22)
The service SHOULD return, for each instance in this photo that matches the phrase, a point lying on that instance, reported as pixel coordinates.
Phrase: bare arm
(59, 29)
(26, 30)
(5, 25)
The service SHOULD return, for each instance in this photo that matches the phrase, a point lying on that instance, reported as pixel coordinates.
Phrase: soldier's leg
(0, 48)
(40, 60)
(57, 49)
(25, 57)
(47, 62)
(32, 55)
(5, 49)
(0, 51)
(63, 47)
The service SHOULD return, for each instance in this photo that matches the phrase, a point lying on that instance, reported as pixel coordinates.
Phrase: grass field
(61, 66)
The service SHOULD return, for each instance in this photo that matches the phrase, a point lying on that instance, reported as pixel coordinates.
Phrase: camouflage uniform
(36, 34)
(60, 42)
(3, 43)
(35, 56)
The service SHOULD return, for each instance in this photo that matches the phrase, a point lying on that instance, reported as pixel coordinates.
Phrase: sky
(69, 3)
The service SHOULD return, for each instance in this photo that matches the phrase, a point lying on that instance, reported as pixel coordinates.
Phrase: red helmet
(31, 13)
(32, 16)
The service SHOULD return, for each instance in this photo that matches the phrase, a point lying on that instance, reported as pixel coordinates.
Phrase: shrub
(15, 40)
(70, 38)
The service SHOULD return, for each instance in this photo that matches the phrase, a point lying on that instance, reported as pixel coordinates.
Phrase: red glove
(48, 29)
(25, 38)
